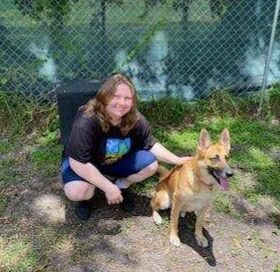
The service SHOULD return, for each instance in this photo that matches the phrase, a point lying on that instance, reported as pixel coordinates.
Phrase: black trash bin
(70, 96)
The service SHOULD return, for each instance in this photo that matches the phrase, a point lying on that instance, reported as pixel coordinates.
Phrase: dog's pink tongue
(224, 184)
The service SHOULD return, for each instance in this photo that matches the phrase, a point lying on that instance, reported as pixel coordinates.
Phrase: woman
(110, 137)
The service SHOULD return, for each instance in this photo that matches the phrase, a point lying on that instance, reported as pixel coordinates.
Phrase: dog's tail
(162, 171)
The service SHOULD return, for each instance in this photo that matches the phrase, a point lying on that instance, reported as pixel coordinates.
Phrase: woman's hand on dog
(182, 160)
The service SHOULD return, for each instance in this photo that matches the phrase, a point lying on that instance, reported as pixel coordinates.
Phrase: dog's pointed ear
(225, 139)
(204, 140)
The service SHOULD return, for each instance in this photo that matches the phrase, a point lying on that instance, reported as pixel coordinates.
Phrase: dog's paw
(174, 240)
(202, 241)
(183, 214)
(157, 218)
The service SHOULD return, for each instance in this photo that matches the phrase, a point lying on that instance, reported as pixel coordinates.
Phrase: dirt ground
(112, 240)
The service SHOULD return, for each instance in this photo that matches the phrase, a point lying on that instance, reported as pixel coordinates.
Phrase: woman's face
(121, 102)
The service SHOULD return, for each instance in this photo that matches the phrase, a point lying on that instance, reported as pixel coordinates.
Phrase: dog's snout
(229, 173)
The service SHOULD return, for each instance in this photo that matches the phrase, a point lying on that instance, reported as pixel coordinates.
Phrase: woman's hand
(113, 195)
(167, 156)
(182, 160)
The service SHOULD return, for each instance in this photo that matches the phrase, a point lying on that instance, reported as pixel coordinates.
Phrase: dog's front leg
(175, 211)
(201, 240)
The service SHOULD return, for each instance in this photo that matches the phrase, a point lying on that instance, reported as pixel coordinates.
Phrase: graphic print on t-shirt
(116, 148)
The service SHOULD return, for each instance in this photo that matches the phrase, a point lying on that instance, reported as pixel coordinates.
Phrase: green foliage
(181, 142)
(167, 111)
(20, 116)
(277, 268)
(222, 103)
(49, 8)
(223, 203)
(5, 146)
(274, 101)
(217, 7)
(17, 256)
(249, 105)
(3, 204)
(46, 159)
(8, 173)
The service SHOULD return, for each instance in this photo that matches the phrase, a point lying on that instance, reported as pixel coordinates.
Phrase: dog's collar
(208, 185)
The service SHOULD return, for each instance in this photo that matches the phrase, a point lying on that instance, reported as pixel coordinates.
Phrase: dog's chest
(197, 202)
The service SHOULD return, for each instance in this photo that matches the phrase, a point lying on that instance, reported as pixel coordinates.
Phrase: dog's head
(212, 159)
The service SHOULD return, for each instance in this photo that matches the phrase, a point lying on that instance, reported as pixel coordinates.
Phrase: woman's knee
(150, 169)
(79, 190)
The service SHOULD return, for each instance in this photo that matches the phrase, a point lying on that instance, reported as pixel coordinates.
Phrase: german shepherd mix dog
(190, 187)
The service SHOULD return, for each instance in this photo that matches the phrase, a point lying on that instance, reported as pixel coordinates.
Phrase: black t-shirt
(88, 143)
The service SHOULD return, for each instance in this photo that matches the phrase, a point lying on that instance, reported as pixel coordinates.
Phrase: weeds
(20, 117)
(3, 204)
(274, 101)
(5, 146)
(9, 173)
(167, 111)
(17, 256)
(46, 159)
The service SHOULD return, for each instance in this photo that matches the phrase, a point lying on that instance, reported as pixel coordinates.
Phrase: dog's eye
(215, 158)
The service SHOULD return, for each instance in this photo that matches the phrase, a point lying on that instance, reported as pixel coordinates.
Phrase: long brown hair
(96, 106)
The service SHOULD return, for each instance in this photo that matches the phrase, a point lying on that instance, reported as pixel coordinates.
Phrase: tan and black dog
(190, 187)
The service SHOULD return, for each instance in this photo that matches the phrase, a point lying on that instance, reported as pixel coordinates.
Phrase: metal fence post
(268, 57)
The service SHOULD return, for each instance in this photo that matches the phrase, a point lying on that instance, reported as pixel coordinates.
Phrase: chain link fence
(182, 48)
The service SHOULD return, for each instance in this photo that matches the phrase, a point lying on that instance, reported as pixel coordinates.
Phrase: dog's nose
(229, 173)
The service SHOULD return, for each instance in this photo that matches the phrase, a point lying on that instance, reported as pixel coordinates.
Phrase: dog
(190, 187)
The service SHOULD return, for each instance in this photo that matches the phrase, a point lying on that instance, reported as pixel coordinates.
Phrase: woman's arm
(90, 173)
(163, 154)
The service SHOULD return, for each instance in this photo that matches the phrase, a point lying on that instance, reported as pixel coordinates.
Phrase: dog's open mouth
(221, 178)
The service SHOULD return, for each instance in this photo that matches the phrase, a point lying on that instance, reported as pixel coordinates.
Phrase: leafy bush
(222, 103)
(168, 111)
(249, 105)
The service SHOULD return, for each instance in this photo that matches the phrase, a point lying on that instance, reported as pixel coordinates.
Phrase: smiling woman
(110, 137)
(120, 104)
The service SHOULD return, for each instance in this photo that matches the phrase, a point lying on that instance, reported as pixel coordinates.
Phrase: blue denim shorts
(129, 164)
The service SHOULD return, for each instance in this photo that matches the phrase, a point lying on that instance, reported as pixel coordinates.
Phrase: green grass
(5, 146)
(183, 142)
(17, 255)
(223, 203)
(9, 173)
(46, 158)
(3, 204)
(277, 268)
